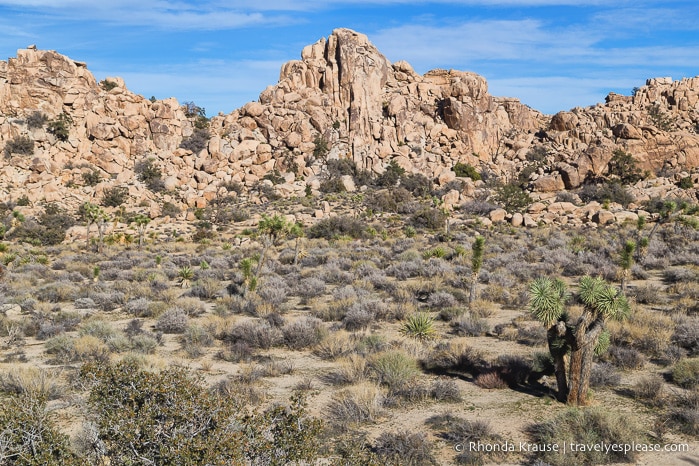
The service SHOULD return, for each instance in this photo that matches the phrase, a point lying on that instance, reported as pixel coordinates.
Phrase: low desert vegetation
(384, 337)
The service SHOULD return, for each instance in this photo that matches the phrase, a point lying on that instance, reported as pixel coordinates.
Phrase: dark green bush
(171, 418)
(512, 198)
(333, 227)
(686, 183)
(606, 192)
(108, 85)
(623, 167)
(391, 175)
(92, 177)
(197, 141)
(332, 185)
(340, 167)
(115, 196)
(417, 184)
(465, 170)
(148, 172)
(686, 373)
(36, 119)
(48, 229)
(170, 210)
(30, 435)
(23, 145)
(60, 126)
(430, 218)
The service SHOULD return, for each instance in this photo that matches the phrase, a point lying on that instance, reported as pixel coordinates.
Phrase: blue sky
(553, 55)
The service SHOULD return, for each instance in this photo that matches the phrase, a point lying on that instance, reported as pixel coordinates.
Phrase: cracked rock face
(342, 93)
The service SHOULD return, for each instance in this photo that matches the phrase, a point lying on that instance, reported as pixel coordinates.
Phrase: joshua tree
(141, 222)
(476, 263)
(271, 229)
(94, 214)
(580, 337)
(547, 303)
(626, 263)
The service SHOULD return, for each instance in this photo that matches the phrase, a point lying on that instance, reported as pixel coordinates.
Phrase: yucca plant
(185, 276)
(419, 326)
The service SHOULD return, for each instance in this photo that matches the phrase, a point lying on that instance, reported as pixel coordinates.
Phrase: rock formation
(342, 99)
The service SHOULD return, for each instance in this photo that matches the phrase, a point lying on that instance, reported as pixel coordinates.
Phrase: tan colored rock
(517, 219)
(550, 183)
(497, 215)
(603, 217)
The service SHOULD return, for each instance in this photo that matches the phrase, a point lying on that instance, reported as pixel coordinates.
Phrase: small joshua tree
(626, 263)
(141, 222)
(477, 250)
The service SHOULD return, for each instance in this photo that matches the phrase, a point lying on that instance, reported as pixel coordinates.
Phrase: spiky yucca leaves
(547, 300)
(603, 299)
(419, 326)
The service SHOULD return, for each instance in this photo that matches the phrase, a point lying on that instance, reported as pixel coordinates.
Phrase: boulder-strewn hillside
(343, 99)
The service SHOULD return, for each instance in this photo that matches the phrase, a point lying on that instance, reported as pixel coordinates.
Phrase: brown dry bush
(491, 380)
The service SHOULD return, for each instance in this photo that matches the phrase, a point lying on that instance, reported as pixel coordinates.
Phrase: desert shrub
(512, 198)
(606, 192)
(647, 294)
(683, 415)
(531, 335)
(514, 370)
(170, 416)
(144, 343)
(469, 325)
(686, 335)
(98, 328)
(490, 380)
(445, 389)
(393, 369)
(456, 430)
(649, 389)
(91, 177)
(303, 333)
(195, 338)
(60, 126)
(354, 406)
(273, 290)
(22, 145)
(478, 207)
(685, 373)
(206, 288)
(149, 173)
(625, 358)
(604, 375)
(334, 346)
(360, 314)
(115, 196)
(174, 320)
(454, 356)
(391, 175)
(139, 307)
(170, 210)
(255, 334)
(624, 167)
(588, 426)
(349, 370)
(333, 227)
(32, 382)
(30, 434)
(197, 142)
(308, 288)
(429, 218)
(417, 184)
(36, 119)
(404, 448)
(466, 171)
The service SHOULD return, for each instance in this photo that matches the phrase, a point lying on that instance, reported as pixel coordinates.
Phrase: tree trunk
(87, 236)
(583, 350)
(558, 349)
(296, 251)
(472, 294)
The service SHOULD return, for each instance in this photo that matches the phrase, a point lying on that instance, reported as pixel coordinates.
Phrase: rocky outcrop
(341, 99)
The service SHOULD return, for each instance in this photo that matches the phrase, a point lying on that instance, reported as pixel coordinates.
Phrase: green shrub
(115, 196)
(92, 177)
(429, 218)
(36, 119)
(512, 198)
(686, 373)
(612, 191)
(171, 418)
(465, 170)
(197, 141)
(108, 85)
(586, 426)
(60, 126)
(623, 167)
(321, 149)
(391, 175)
(333, 227)
(22, 145)
(394, 369)
(149, 173)
(417, 184)
(30, 435)
(686, 182)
